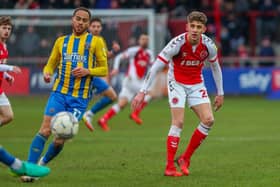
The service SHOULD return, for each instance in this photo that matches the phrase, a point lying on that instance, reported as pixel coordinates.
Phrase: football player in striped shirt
(72, 57)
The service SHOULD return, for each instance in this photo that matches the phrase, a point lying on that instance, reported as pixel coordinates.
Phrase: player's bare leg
(204, 113)
(109, 96)
(173, 140)
(6, 115)
(122, 102)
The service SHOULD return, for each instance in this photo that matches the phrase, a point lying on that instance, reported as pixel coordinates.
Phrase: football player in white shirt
(140, 58)
(185, 56)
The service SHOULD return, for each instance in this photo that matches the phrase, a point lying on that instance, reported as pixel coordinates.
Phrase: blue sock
(99, 105)
(36, 148)
(6, 157)
(52, 152)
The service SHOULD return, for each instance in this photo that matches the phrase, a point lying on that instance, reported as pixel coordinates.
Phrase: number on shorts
(77, 113)
(203, 93)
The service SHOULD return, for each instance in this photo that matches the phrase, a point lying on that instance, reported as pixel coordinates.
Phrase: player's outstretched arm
(218, 78)
(138, 99)
(9, 68)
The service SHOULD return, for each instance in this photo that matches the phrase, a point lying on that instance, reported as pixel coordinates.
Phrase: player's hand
(47, 77)
(80, 72)
(116, 47)
(10, 79)
(137, 101)
(114, 72)
(219, 101)
(16, 69)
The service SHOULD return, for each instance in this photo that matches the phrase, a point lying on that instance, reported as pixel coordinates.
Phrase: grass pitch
(241, 150)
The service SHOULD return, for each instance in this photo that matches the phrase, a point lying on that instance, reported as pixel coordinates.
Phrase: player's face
(195, 29)
(144, 41)
(80, 22)
(5, 31)
(95, 28)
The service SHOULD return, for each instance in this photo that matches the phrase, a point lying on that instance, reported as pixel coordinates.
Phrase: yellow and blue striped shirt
(72, 51)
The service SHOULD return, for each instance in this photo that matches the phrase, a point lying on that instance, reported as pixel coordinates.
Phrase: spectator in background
(241, 6)
(268, 21)
(6, 4)
(21, 4)
(147, 4)
(29, 42)
(103, 4)
(67, 4)
(266, 50)
(110, 32)
(48, 4)
(225, 42)
(161, 6)
(45, 47)
(243, 56)
(34, 4)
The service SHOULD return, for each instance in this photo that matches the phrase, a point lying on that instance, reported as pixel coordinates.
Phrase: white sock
(16, 164)
(174, 131)
(203, 128)
(147, 98)
(116, 108)
(89, 112)
(41, 162)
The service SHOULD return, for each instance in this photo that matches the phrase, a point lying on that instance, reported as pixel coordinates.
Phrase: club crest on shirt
(175, 100)
(184, 54)
(203, 54)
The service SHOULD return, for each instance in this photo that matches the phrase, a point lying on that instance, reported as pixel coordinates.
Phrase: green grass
(241, 150)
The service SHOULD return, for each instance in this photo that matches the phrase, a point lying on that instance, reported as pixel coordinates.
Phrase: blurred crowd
(248, 27)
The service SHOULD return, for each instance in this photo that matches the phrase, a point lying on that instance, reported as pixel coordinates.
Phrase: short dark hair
(197, 16)
(6, 20)
(83, 9)
(96, 19)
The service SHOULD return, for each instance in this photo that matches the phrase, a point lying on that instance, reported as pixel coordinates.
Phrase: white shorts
(130, 88)
(4, 101)
(194, 94)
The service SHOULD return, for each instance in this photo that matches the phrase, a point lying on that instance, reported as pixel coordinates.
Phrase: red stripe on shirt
(211, 61)
(162, 59)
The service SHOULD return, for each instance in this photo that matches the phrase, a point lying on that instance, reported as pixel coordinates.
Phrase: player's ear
(204, 28)
(187, 25)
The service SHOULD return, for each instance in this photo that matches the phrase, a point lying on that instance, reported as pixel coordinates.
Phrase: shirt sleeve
(4, 67)
(171, 49)
(101, 68)
(150, 77)
(213, 51)
(218, 77)
(53, 60)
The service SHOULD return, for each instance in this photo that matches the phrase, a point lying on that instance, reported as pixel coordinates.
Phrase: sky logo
(253, 79)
